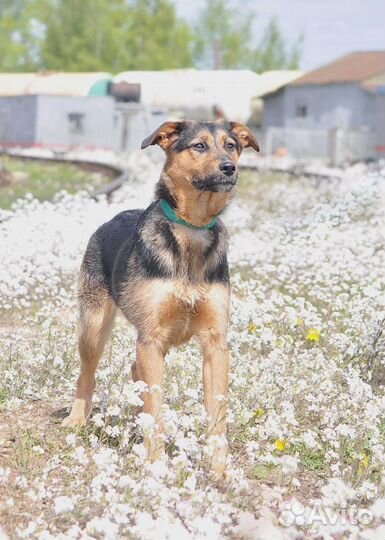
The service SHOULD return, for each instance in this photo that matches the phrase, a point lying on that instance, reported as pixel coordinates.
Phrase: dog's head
(203, 154)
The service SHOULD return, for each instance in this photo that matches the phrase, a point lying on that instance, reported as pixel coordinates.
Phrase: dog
(165, 268)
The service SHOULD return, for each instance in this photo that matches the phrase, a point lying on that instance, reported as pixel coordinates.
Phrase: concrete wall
(380, 117)
(273, 114)
(136, 122)
(76, 121)
(347, 106)
(67, 121)
(18, 120)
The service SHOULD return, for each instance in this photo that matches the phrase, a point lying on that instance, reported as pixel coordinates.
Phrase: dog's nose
(228, 168)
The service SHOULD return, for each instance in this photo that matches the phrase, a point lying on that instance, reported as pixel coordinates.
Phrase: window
(76, 122)
(301, 111)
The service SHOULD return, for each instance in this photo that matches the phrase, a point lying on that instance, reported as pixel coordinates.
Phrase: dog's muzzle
(218, 184)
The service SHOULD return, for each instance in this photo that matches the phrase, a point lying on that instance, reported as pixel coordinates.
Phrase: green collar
(169, 212)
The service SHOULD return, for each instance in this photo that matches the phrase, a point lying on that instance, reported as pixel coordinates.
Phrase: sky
(331, 27)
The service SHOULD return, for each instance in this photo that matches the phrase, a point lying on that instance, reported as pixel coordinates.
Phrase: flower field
(307, 400)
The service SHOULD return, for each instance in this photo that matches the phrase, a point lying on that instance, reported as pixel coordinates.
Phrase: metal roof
(14, 84)
(270, 81)
(50, 83)
(178, 89)
(353, 67)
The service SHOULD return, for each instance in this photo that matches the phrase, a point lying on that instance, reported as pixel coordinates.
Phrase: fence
(335, 145)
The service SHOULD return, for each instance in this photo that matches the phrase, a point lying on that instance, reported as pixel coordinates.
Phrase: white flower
(158, 469)
(38, 449)
(105, 457)
(58, 361)
(71, 439)
(336, 492)
(140, 451)
(63, 504)
(346, 430)
(113, 410)
(190, 483)
(145, 421)
(289, 464)
(103, 526)
(309, 439)
(98, 420)
(378, 508)
(206, 528)
(80, 455)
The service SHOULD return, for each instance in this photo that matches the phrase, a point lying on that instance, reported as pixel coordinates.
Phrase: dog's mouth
(215, 183)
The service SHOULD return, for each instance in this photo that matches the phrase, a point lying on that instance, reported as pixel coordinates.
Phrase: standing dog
(166, 269)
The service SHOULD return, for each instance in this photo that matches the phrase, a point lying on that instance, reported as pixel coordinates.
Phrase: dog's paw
(218, 469)
(218, 457)
(73, 421)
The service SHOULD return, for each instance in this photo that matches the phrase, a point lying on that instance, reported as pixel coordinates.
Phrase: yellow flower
(313, 335)
(252, 327)
(364, 463)
(259, 412)
(300, 322)
(280, 444)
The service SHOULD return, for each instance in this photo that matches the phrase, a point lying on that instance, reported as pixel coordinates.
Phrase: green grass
(263, 471)
(251, 183)
(43, 180)
(311, 458)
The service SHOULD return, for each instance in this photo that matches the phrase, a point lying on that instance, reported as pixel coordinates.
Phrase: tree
(85, 36)
(115, 36)
(20, 35)
(92, 35)
(224, 40)
(223, 36)
(156, 38)
(272, 52)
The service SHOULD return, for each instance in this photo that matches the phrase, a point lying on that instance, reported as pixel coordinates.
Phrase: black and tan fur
(170, 281)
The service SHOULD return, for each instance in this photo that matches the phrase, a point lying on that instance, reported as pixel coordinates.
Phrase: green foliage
(272, 52)
(115, 36)
(84, 36)
(223, 36)
(92, 35)
(156, 38)
(20, 34)
(224, 40)
(118, 35)
(311, 458)
(264, 471)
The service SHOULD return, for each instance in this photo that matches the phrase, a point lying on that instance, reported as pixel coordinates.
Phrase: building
(344, 98)
(55, 83)
(268, 82)
(58, 121)
(73, 110)
(197, 94)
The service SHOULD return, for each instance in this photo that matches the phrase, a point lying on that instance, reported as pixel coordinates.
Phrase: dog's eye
(199, 146)
(230, 146)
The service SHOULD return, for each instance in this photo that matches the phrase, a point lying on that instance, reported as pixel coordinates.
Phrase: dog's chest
(194, 246)
(187, 295)
(197, 240)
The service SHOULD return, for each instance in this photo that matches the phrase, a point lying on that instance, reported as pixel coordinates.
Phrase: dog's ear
(165, 135)
(245, 135)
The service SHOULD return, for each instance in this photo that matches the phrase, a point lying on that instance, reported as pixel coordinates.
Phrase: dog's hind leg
(97, 313)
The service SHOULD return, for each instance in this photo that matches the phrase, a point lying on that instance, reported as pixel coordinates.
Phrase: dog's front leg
(149, 368)
(216, 363)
